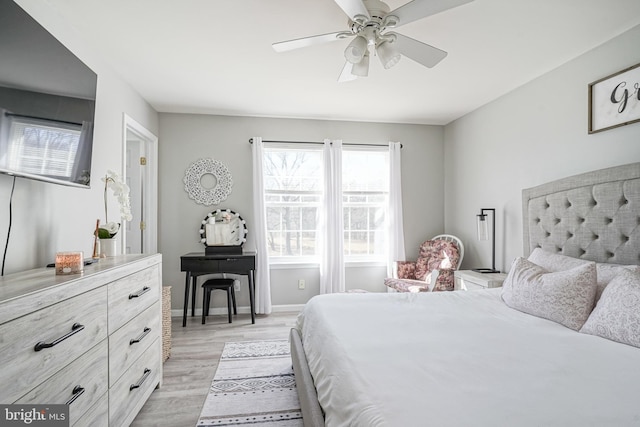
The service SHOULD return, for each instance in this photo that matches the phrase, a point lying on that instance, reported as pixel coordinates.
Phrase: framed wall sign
(615, 100)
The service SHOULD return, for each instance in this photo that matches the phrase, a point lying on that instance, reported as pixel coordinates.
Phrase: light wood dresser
(92, 340)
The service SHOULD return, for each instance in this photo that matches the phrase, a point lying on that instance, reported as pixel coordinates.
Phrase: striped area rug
(253, 385)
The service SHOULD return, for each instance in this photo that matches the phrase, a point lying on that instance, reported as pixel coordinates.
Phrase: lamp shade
(483, 234)
(361, 69)
(387, 54)
(483, 228)
(356, 50)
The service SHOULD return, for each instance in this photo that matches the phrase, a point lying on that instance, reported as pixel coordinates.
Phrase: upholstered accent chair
(433, 271)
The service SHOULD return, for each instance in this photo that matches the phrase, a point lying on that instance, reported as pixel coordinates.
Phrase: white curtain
(331, 238)
(263, 285)
(396, 227)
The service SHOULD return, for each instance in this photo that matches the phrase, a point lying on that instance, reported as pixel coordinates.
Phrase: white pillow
(607, 272)
(554, 262)
(617, 315)
(566, 297)
(557, 262)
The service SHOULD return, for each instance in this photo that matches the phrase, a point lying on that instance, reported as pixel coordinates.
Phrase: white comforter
(461, 359)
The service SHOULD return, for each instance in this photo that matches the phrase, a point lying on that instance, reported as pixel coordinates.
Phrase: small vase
(108, 247)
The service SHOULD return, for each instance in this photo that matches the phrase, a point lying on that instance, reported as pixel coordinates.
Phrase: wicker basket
(166, 322)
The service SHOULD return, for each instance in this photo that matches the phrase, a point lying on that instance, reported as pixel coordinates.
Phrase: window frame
(369, 260)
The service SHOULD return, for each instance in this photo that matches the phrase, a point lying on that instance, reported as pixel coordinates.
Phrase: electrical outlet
(236, 286)
(301, 284)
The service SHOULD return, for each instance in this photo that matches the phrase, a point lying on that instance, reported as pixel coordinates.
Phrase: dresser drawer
(130, 295)
(67, 329)
(130, 341)
(236, 264)
(81, 383)
(132, 389)
(218, 264)
(97, 415)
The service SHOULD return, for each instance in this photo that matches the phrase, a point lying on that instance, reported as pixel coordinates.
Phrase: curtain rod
(22, 116)
(317, 143)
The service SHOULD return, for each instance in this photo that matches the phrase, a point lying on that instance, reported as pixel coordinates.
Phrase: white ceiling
(215, 57)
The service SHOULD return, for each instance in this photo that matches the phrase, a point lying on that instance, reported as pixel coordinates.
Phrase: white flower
(121, 191)
(111, 227)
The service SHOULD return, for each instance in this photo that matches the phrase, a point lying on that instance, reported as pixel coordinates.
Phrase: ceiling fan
(368, 23)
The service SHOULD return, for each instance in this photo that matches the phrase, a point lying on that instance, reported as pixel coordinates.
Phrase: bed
(557, 346)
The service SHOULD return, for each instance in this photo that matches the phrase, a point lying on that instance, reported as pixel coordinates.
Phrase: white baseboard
(285, 308)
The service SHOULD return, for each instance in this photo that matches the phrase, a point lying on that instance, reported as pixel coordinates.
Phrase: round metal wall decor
(214, 194)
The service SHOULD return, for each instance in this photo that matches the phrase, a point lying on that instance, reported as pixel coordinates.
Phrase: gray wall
(186, 138)
(49, 218)
(530, 136)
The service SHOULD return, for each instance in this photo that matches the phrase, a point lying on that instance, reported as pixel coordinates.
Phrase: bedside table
(469, 280)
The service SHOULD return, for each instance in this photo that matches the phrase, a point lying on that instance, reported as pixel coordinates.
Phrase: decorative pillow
(607, 272)
(617, 315)
(557, 262)
(566, 297)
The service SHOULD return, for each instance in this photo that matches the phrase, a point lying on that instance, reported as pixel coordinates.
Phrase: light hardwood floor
(195, 351)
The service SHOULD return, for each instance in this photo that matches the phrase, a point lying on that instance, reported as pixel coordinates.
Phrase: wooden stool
(223, 284)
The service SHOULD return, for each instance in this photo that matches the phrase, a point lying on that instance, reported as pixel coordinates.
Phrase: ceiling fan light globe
(387, 54)
(361, 69)
(356, 50)
(390, 21)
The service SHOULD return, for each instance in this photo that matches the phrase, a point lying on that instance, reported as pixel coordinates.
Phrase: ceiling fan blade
(309, 41)
(353, 8)
(420, 52)
(345, 74)
(418, 9)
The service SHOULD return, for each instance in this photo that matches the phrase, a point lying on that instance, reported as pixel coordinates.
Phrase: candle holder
(69, 262)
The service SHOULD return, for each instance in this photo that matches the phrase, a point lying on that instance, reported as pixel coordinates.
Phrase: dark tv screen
(47, 103)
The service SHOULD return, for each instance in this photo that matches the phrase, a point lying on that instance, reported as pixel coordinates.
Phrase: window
(365, 195)
(293, 193)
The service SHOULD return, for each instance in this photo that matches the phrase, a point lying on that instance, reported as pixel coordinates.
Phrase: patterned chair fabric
(438, 256)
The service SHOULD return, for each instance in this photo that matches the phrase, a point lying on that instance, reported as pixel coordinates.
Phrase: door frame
(150, 179)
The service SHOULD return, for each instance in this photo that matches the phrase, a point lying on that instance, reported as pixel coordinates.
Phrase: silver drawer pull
(77, 327)
(147, 371)
(145, 332)
(77, 392)
(140, 293)
(232, 259)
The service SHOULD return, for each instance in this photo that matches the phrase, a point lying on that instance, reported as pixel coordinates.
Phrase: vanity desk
(200, 263)
(223, 233)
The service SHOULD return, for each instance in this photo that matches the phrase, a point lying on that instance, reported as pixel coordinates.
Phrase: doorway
(140, 153)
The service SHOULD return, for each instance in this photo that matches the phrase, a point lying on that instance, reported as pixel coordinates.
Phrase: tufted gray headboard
(593, 216)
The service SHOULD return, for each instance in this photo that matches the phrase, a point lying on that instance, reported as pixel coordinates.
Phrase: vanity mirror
(223, 231)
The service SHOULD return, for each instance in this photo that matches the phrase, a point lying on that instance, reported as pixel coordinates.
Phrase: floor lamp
(483, 234)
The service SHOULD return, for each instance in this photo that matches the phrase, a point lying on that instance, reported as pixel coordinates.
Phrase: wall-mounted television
(47, 103)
